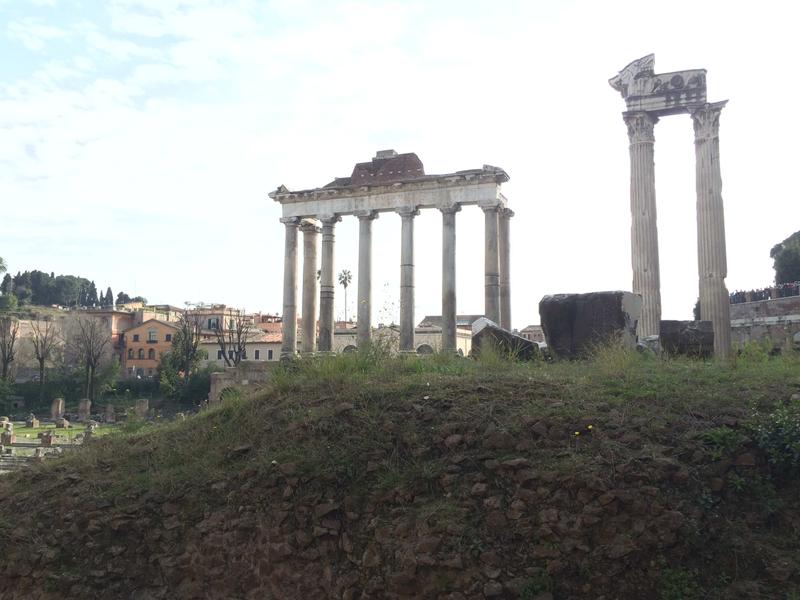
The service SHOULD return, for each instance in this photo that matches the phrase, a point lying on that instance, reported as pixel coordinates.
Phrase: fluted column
(711, 253)
(289, 319)
(326, 288)
(491, 264)
(364, 325)
(449, 277)
(308, 340)
(505, 267)
(644, 228)
(407, 278)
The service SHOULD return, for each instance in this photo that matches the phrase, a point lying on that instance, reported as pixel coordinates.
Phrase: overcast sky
(139, 138)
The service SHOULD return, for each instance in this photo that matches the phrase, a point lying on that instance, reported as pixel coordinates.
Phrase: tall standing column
(644, 228)
(711, 253)
(364, 325)
(308, 340)
(491, 264)
(407, 278)
(289, 318)
(449, 277)
(505, 268)
(326, 288)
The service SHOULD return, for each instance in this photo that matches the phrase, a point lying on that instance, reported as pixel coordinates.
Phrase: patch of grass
(679, 584)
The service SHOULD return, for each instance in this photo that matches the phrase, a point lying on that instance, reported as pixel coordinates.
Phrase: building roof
(461, 320)
(388, 166)
(159, 321)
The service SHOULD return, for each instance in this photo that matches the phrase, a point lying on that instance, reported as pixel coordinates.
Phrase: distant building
(144, 345)
(533, 333)
(462, 321)
(261, 346)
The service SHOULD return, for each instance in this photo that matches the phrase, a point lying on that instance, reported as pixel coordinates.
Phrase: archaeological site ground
(358, 476)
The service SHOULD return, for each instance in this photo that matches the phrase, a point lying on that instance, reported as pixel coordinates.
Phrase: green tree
(345, 277)
(8, 302)
(786, 259)
(91, 295)
(7, 286)
(109, 298)
(3, 267)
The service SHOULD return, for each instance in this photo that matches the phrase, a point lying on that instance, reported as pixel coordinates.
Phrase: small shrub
(538, 584)
(678, 584)
(723, 441)
(778, 436)
(133, 422)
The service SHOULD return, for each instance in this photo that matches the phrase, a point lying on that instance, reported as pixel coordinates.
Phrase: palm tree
(3, 267)
(345, 277)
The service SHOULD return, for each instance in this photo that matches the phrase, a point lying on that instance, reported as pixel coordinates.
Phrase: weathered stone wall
(247, 374)
(778, 320)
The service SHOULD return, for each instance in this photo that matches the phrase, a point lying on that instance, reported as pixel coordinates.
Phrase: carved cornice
(641, 126)
(329, 220)
(706, 120)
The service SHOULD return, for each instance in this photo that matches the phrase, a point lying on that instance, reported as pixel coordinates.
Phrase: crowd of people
(783, 290)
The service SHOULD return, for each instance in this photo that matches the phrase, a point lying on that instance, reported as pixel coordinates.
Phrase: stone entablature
(397, 184)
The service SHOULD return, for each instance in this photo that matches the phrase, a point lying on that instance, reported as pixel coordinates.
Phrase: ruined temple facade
(395, 184)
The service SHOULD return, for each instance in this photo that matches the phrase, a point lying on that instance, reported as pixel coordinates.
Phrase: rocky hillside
(622, 477)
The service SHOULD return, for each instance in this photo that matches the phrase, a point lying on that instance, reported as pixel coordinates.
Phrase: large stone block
(575, 323)
(486, 332)
(690, 338)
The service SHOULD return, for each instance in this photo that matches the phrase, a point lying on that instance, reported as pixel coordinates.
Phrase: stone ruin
(110, 415)
(31, 421)
(62, 423)
(91, 427)
(57, 409)
(7, 437)
(486, 333)
(47, 438)
(142, 407)
(84, 409)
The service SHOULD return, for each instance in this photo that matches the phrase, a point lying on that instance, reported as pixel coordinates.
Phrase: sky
(139, 139)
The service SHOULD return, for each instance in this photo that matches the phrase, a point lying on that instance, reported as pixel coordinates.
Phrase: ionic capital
(308, 226)
(489, 208)
(506, 213)
(366, 215)
(329, 220)
(407, 212)
(706, 120)
(641, 126)
(291, 221)
(450, 210)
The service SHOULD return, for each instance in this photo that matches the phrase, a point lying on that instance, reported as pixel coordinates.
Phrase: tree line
(37, 288)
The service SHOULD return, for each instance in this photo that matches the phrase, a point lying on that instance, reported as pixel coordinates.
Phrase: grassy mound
(360, 476)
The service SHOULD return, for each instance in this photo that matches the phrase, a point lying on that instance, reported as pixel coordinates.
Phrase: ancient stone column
(308, 337)
(711, 252)
(505, 267)
(644, 229)
(57, 409)
(449, 277)
(407, 278)
(491, 264)
(289, 324)
(326, 290)
(364, 323)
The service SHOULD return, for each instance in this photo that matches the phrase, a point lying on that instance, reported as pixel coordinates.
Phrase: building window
(135, 337)
(151, 336)
(269, 354)
(244, 354)
(141, 352)
(130, 352)
(219, 354)
(257, 354)
(212, 324)
(151, 354)
(168, 337)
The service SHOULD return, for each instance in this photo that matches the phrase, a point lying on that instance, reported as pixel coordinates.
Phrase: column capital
(506, 212)
(706, 120)
(641, 125)
(290, 221)
(487, 208)
(366, 215)
(450, 210)
(407, 212)
(329, 219)
(310, 227)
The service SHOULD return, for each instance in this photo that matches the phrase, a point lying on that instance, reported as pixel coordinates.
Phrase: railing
(784, 290)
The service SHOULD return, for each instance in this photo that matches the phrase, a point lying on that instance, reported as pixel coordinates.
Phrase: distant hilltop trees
(38, 288)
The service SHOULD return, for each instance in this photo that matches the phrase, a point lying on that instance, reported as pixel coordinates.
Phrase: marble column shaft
(326, 288)
(364, 323)
(711, 251)
(644, 229)
(308, 340)
(505, 267)
(289, 319)
(407, 279)
(449, 343)
(491, 264)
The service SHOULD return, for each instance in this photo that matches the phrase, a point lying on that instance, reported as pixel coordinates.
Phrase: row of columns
(711, 253)
(497, 278)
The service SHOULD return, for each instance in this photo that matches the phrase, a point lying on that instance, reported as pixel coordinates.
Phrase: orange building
(144, 345)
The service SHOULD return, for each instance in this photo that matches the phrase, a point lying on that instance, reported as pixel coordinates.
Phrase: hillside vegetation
(360, 476)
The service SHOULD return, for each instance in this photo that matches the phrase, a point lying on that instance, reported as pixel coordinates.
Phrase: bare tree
(90, 340)
(44, 339)
(186, 351)
(9, 333)
(232, 340)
